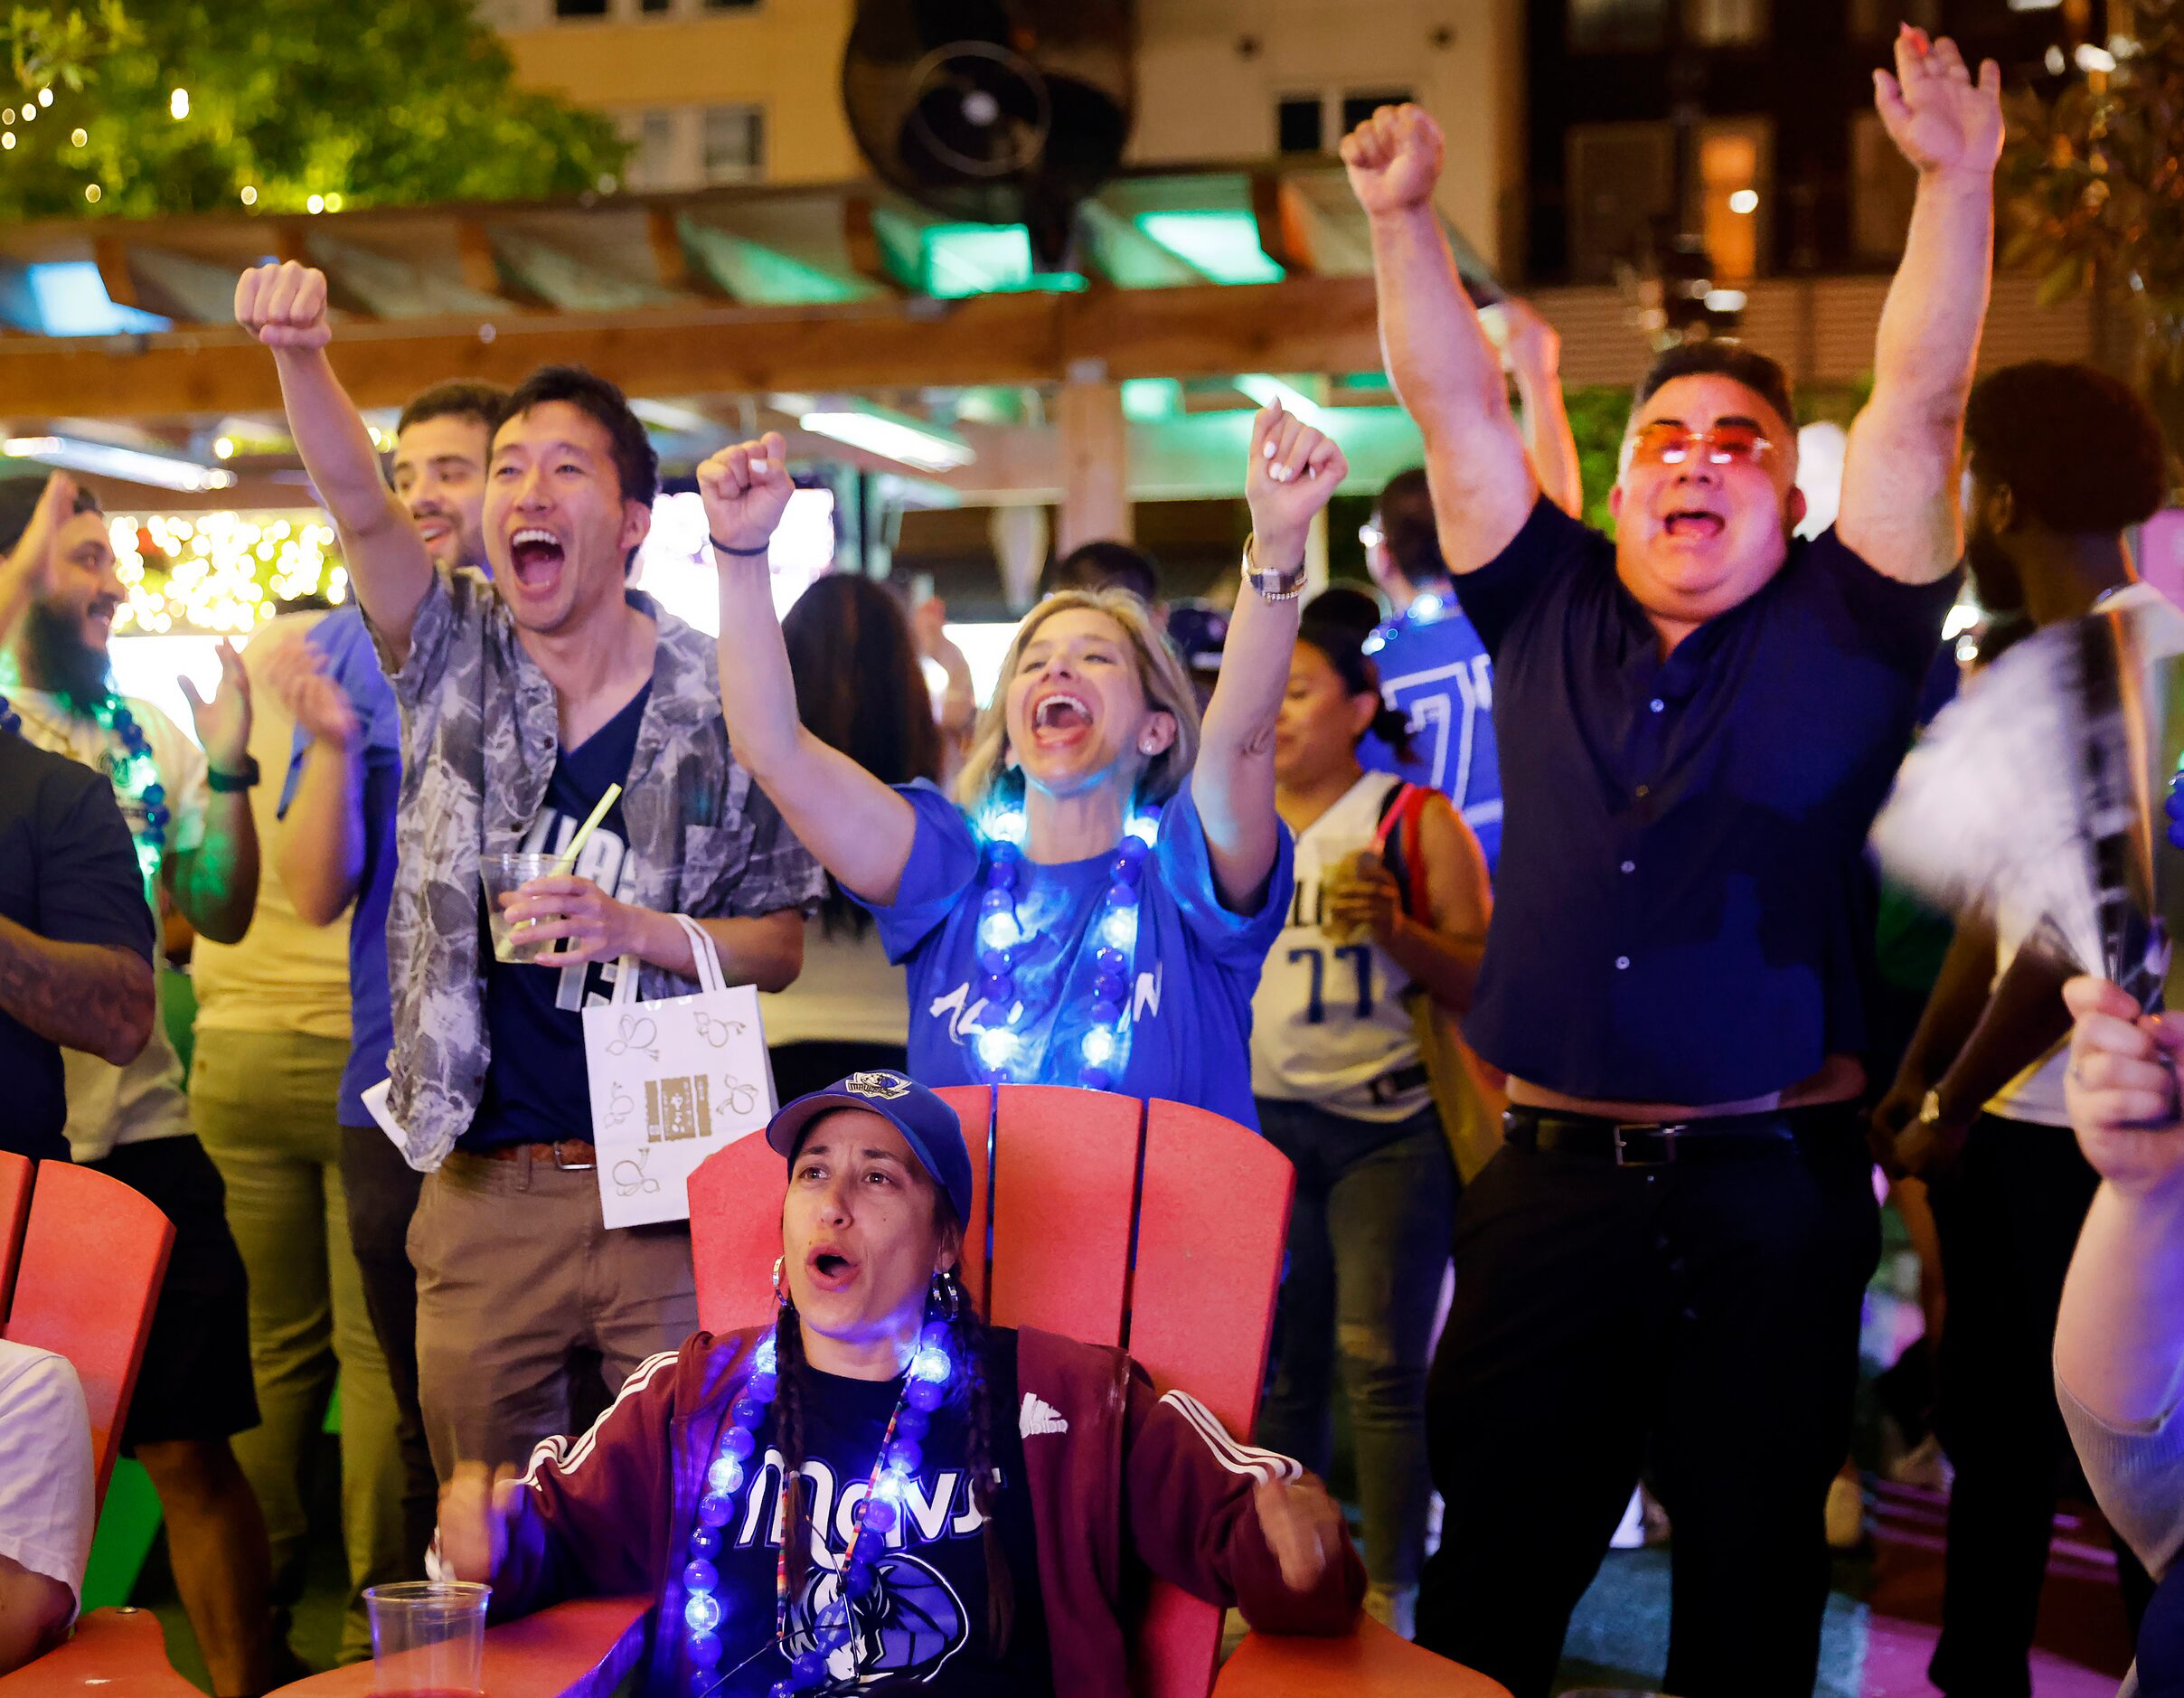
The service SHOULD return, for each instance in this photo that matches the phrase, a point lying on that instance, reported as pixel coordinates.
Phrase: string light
(45, 97)
(226, 570)
(178, 103)
(249, 195)
(80, 138)
(223, 448)
(316, 203)
(92, 192)
(8, 139)
(29, 111)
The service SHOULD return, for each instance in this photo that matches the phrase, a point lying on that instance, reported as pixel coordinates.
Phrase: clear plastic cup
(1354, 868)
(428, 1638)
(502, 874)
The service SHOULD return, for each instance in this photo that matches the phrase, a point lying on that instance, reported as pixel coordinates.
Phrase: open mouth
(830, 1269)
(536, 555)
(1695, 524)
(1060, 717)
(434, 529)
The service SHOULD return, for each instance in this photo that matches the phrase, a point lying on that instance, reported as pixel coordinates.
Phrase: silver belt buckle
(1643, 1144)
(571, 1167)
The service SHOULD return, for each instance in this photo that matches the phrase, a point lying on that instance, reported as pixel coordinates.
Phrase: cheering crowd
(1529, 917)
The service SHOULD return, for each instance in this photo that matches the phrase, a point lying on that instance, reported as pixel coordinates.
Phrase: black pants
(383, 1191)
(1700, 1318)
(2009, 1215)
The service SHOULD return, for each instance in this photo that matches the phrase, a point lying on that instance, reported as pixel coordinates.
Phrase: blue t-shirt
(353, 663)
(537, 1088)
(1435, 672)
(1193, 968)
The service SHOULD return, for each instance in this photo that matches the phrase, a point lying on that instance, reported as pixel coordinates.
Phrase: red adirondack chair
(81, 1257)
(1113, 1220)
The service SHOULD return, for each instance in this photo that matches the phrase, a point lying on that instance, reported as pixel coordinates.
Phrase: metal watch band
(1271, 586)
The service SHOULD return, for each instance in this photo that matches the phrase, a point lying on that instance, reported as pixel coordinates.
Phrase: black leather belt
(1644, 1143)
(1400, 1082)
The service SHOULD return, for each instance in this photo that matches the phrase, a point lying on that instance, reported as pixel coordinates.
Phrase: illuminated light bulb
(29, 111)
(316, 203)
(996, 1048)
(701, 1613)
(1425, 608)
(78, 137)
(45, 97)
(1744, 201)
(333, 203)
(223, 448)
(929, 1363)
(249, 195)
(9, 115)
(1099, 1047)
(1118, 931)
(9, 140)
(178, 103)
(92, 192)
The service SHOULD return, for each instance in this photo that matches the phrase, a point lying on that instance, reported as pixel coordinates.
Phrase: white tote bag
(671, 1082)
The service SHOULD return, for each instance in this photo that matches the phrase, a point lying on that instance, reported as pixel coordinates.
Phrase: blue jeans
(1369, 1237)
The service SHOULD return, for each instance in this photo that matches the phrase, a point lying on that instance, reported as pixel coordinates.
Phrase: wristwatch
(1930, 1108)
(1272, 586)
(230, 783)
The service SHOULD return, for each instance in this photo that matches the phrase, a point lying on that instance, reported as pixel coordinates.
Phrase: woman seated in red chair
(880, 1489)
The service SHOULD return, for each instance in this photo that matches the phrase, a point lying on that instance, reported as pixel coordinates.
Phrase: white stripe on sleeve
(569, 1456)
(1228, 1451)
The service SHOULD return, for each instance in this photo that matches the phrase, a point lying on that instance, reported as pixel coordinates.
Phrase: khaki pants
(265, 1104)
(515, 1272)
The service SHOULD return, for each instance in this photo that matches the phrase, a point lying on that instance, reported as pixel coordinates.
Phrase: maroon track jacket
(1134, 1478)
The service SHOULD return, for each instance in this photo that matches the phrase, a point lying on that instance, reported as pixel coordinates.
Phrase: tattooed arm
(92, 996)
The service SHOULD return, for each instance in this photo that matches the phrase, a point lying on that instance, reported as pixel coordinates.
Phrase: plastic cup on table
(504, 873)
(428, 1638)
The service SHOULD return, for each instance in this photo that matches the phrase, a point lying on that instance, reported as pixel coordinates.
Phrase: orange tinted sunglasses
(1726, 444)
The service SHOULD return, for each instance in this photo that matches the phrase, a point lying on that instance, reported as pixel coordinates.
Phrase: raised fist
(1938, 118)
(1393, 158)
(745, 489)
(284, 305)
(1294, 472)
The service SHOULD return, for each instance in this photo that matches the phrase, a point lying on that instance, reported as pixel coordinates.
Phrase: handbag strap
(1400, 818)
(702, 951)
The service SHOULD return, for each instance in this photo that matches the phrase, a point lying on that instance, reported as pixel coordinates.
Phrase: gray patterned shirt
(480, 737)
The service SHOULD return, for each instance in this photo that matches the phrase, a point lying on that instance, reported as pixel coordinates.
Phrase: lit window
(651, 164)
(1726, 22)
(735, 144)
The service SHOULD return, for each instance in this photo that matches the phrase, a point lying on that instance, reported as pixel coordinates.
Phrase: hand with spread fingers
(595, 927)
(1936, 114)
(1393, 159)
(296, 675)
(1294, 473)
(746, 490)
(1303, 1528)
(223, 722)
(284, 305)
(2122, 1087)
(478, 1507)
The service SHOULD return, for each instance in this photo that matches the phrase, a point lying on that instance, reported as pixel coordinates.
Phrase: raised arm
(284, 307)
(1293, 473)
(1439, 359)
(860, 830)
(1531, 354)
(1899, 494)
(318, 848)
(26, 575)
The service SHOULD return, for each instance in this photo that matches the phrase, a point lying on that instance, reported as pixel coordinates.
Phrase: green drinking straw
(567, 864)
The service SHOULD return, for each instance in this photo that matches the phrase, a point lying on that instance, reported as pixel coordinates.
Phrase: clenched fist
(745, 489)
(1294, 472)
(1393, 158)
(284, 305)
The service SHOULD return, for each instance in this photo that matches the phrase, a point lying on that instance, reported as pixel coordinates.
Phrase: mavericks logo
(886, 1086)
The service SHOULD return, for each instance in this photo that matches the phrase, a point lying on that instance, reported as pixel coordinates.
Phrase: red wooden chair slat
(14, 1208)
(974, 1106)
(1065, 1188)
(1211, 1225)
(734, 1193)
(118, 1651)
(94, 1253)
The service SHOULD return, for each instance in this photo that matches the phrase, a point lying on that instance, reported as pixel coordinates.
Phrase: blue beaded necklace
(1007, 1053)
(924, 1388)
(134, 773)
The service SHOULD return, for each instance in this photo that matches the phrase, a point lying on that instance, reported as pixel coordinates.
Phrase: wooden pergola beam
(1302, 326)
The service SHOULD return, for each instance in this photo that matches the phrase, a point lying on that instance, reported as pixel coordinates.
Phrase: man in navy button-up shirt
(1697, 722)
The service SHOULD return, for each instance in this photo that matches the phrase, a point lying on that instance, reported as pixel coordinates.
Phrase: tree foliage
(2092, 186)
(375, 101)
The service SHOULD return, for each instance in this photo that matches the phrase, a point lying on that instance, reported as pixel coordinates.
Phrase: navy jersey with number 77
(1434, 671)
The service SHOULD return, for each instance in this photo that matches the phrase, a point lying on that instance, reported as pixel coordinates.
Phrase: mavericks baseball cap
(928, 1125)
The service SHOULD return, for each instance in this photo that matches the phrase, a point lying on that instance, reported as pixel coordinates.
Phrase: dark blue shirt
(1435, 672)
(537, 1088)
(1676, 895)
(350, 661)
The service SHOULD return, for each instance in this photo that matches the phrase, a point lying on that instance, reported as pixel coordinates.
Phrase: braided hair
(969, 1391)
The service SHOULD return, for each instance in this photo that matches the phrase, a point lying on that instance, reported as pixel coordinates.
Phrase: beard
(59, 660)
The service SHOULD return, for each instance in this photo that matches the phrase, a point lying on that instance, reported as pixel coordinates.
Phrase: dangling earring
(945, 1295)
(780, 1290)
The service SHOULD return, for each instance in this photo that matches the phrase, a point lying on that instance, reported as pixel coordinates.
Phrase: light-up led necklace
(924, 1388)
(133, 773)
(1008, 1053)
